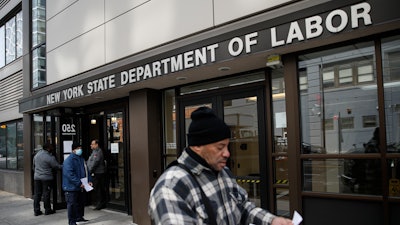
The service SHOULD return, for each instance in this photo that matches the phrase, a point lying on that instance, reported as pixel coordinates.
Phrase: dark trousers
(75, 205)
(100, 191)
(42, 188)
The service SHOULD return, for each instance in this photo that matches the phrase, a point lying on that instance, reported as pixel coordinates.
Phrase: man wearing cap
(74, 169)
(198, 188)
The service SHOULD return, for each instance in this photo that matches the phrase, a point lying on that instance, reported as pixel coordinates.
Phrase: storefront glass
(11, 147)
(280, 151)
(339, 107)
(391, 79)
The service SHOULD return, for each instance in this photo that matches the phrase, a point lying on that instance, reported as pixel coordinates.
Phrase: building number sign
(68, 129)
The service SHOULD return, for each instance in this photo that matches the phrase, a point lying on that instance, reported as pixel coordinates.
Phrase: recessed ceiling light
(224, 68)
(181, 78)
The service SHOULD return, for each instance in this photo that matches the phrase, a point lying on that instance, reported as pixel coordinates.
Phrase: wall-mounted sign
(257, 38)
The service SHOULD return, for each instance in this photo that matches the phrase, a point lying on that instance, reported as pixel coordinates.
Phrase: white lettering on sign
(101, 84)
(172, 64)
(314, 25)
(335, 21)
(73, 92)
(237, 45)
(53, 98)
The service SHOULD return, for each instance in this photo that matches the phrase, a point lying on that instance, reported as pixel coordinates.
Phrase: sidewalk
(18, 210)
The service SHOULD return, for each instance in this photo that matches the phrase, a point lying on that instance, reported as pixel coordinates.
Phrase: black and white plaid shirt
(176, 197)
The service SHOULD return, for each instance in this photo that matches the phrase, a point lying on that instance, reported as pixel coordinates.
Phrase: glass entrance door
(115, 159)
(241, 114)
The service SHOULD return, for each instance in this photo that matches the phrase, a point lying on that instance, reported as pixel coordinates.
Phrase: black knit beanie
(206, 128)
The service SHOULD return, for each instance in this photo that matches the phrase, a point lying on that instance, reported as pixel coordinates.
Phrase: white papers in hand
(86, 184)
(297, 218)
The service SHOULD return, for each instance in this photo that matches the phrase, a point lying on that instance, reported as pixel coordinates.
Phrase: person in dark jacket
(96, 165)
(199, 188)
(44, 163)
(74, 169)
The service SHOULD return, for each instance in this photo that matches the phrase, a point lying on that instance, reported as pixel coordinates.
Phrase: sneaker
(82, 221)
(38, 213)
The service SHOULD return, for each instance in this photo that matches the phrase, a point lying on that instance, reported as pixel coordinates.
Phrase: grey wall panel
(10, 93)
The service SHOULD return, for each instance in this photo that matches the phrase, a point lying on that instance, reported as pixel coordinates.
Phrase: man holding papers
(75, 182)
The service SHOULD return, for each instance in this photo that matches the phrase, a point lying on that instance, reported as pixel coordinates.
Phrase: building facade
(310, 90)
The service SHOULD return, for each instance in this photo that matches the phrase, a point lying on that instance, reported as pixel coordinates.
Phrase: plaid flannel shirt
(176, 198)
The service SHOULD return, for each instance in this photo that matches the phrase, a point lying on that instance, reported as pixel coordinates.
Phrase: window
(369, 121)
(11, 39)
(38, 43)
(391, 77)
(339, 116)
(347, 122)
(11, 145)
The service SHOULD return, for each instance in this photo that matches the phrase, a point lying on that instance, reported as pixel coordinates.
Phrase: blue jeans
(75, 205)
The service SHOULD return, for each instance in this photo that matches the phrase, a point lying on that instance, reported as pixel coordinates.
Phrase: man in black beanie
(198, 188)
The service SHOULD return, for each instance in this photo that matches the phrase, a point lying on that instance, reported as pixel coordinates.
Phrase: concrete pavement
(18, 210)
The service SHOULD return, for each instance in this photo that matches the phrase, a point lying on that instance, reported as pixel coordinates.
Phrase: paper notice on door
(297, 218)
(114, 148)
(86, 184)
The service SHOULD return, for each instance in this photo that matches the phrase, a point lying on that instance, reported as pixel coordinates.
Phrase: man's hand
(281, 221)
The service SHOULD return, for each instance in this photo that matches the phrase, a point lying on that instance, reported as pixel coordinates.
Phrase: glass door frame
(105, 108)
(217, 98)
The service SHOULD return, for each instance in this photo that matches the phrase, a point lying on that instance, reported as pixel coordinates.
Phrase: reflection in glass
(240, 115)
(360, 176)
(281, 174)
(394, 177)
(170, 151)
(391, 78)
(20, 144)
(11, 146)
(116, 159)
(338, 90)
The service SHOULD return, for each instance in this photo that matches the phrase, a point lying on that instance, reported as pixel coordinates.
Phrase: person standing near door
(198, 188)
(44, 163)
(74, 169)
(96, 166)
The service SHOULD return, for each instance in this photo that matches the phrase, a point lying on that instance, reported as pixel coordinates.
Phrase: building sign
(68, 129)
(259, 38)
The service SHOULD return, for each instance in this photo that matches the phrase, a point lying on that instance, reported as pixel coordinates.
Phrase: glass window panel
(38, 130)
(10, 40)
(20, 144)
(39, 67)
(345, 75)
(302, 81)
(365, 73)
(11, 146)
(3, 146)
(391, 76)
(19, 35)
(170, 149)
(2, 46)
(343, 108)
(38, 22)
(369, 121)
(355, 176)
(328, 77)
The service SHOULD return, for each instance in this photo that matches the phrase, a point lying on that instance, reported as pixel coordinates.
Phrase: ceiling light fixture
(224, 68)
